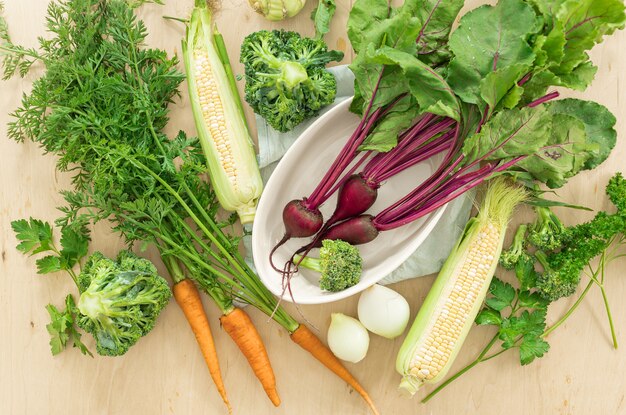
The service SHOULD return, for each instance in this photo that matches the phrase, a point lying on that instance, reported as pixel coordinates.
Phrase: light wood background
(165, 374)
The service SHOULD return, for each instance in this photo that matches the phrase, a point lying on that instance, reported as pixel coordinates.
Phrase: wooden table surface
(164, 373)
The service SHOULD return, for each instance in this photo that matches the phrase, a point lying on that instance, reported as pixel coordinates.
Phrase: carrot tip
(305, 338)
(273, 395)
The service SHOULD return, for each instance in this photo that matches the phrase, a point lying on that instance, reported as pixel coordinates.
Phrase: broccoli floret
(120, 300)
(547, 232)
(510, 257)
(339, 264)
(556, 283)
(286, 82)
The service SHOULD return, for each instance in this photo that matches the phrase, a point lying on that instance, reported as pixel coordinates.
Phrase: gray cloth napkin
(430, 256)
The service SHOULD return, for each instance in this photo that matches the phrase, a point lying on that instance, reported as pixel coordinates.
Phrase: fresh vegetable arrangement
(477, 96)
(101, 107)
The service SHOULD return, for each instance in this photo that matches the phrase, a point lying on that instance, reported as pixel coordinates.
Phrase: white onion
(347, 338)
(383, 311)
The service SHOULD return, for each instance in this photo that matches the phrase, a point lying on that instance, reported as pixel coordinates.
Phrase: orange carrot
(304, 338)
(188, 298)
(238, 325)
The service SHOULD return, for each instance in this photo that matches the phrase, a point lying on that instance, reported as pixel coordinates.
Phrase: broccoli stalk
(120, 300)
(286, 79)
(339, 264)
(510, 257)
(547, 232)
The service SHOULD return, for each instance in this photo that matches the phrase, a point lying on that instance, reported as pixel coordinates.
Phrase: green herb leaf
(49, 264)
(62, 328)
(503, 83)
(507, 333)
(532, 300)
(57, 329)
(489, 316)
(75, 245)
(365, 20)
(367, 75)
(585, 22)
(532, 347)
(572, 27)
(375, 28)
(514, 328)
(502, 293)
(437, 18)
(530, 322)
(550, 48)
(34, 235)
(322, 15)
(398, 32)
(541, 202)
(14, 58)
(525, 272)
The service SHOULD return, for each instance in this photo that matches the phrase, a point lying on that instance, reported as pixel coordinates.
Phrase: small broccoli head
(554, 283)
(510, 257)
(120, 300)
(340, 265)
(286, 80)
(547, 233)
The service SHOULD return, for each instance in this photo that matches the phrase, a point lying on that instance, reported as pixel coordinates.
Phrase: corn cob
(453, 302)
(219, 117)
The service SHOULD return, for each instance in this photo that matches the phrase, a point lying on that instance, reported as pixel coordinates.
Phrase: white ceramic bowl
(296, 176)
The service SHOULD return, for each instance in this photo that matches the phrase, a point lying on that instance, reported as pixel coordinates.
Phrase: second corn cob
(453, 302)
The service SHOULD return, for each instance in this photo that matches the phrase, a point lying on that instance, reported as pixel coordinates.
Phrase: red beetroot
(300, 222)
(356, 195)
(357, 230)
